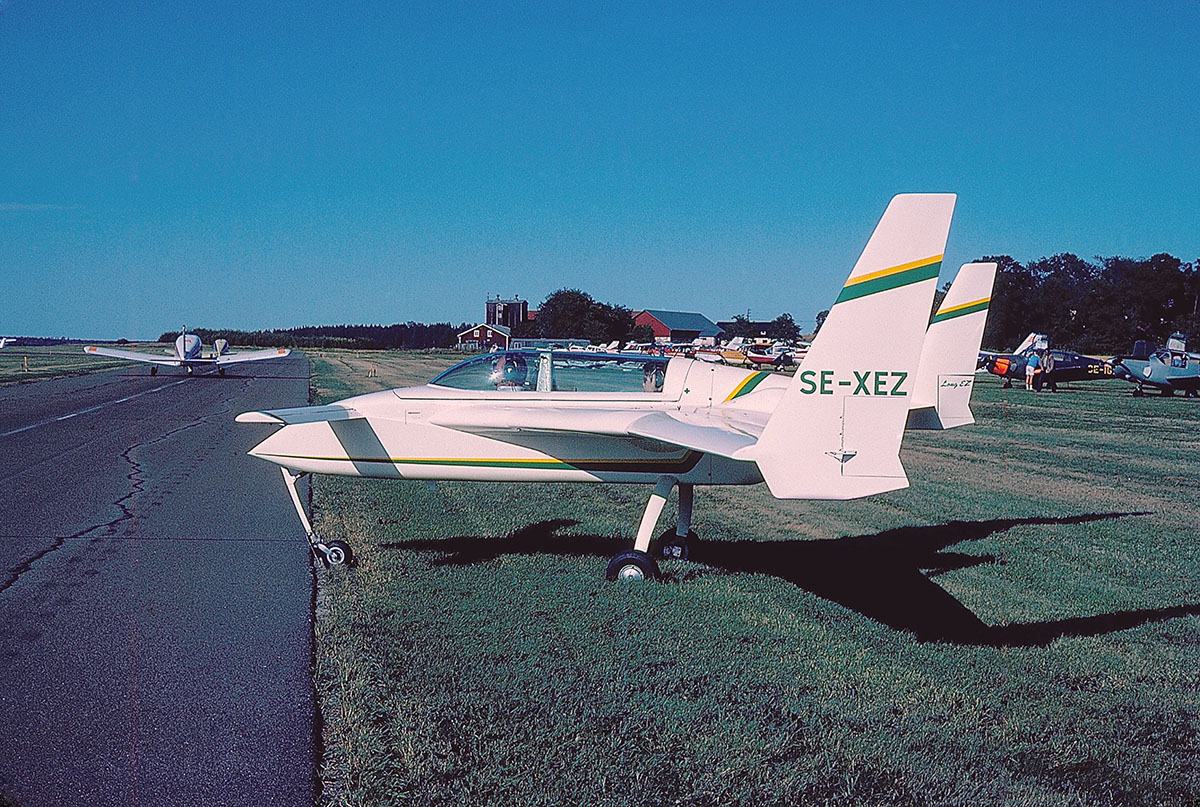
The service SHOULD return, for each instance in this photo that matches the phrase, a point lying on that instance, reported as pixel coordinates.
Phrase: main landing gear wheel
(671, 546)
(153, 371)
(632, 565)
(221, 371)
(337, 553)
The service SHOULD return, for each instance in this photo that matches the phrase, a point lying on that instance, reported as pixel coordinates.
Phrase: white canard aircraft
(832, 431)
(188, 353)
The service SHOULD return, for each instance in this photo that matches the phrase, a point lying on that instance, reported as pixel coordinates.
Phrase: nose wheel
(335, 553)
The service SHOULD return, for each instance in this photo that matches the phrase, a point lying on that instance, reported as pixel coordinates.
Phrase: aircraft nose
(271, 448)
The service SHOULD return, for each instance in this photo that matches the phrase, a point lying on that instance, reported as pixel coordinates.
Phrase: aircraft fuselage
(400, 436)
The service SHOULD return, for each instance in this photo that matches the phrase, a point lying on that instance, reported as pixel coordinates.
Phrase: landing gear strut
(639, 563)
(331, 553)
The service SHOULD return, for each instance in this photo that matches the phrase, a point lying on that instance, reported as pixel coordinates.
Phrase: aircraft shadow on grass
(885, 576)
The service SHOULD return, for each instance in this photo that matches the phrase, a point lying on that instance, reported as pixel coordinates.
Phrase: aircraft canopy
(557, 371)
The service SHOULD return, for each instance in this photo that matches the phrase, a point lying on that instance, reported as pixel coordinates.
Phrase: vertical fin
(837, 430)
(941, 396)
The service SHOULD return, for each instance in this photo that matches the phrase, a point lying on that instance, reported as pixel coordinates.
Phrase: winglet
(837, 430)
(942, 394)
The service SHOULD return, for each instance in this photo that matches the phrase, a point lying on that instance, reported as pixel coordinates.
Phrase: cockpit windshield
(1172, 358)
(556, 371)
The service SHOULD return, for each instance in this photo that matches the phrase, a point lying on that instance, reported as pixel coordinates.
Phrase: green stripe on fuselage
(889, 282)
(750, 384)
(681, 464)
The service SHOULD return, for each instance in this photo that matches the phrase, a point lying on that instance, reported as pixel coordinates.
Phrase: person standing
(1031, 369)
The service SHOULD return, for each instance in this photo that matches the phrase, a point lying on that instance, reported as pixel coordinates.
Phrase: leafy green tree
(1008, 319)
(573, 314)
(742, 326)
(784, 328)
(641, 333)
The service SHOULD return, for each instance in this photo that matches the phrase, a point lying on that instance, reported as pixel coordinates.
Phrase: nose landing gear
(331, 553)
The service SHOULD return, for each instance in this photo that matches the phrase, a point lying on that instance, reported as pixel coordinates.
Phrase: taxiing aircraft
(1169, 370)
(833, 431)
(189, 354)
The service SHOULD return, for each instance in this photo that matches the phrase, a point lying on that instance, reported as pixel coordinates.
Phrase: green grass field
(19, 363)
(1021, 626)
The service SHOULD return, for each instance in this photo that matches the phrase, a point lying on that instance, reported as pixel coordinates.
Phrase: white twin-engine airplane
(832, 431)
(189, 354)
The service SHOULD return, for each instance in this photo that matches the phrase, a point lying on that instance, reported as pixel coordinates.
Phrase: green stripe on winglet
(959, 312)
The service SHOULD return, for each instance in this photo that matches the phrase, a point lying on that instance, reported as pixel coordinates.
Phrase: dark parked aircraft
(1169, 370)
(1057, 365)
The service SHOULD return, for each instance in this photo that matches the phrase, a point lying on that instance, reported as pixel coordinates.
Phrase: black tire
(220, 371)
(633, 566)
(338, 553)
(153, 371)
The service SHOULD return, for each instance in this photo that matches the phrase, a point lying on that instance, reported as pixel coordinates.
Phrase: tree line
(406, 335)
(1100, 306)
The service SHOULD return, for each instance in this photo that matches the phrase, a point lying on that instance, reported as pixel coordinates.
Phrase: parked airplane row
(1169, 370)
(831, 431)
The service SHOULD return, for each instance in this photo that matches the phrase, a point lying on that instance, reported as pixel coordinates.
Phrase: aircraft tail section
(941, 396)
(837, 429)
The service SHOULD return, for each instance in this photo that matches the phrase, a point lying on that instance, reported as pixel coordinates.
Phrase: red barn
(678, 326)
(484, 337)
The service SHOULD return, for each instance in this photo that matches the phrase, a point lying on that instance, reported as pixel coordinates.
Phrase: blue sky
(261, 165)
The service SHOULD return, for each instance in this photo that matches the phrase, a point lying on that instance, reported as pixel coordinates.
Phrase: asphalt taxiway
(155, 594)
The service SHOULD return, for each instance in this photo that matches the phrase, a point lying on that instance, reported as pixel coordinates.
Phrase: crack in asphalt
(137, 480)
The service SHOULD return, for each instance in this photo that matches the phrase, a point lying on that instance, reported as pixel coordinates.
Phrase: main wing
(254, 355)
(130, 355)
